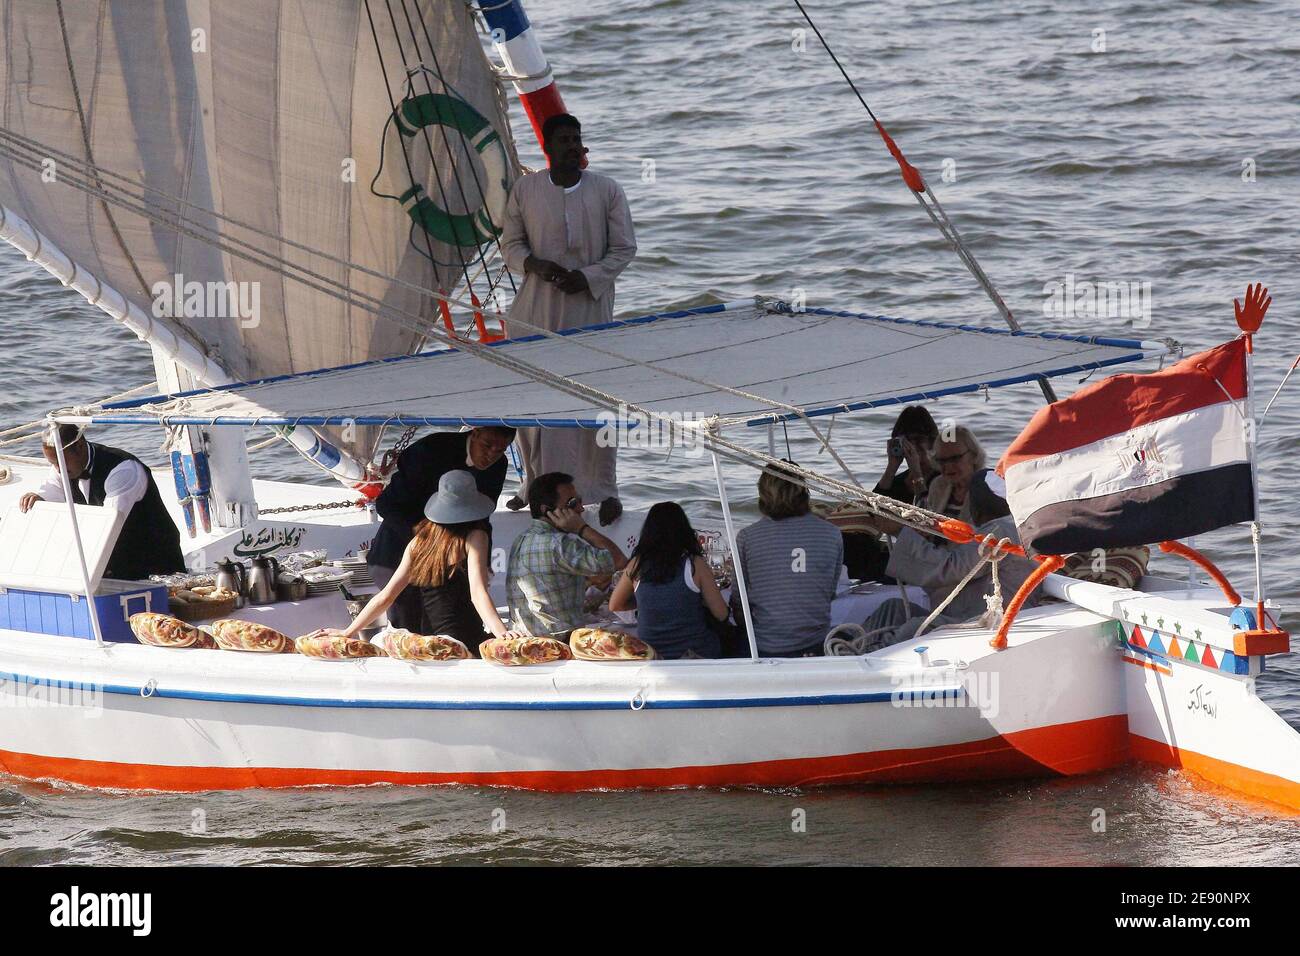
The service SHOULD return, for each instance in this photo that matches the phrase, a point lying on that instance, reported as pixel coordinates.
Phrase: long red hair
(439, 550)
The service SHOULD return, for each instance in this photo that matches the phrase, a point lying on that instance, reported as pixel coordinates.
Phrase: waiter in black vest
(109, 477)
(480, 451)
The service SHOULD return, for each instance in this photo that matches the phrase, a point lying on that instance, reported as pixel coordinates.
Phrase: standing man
(149, 542)
(568, 232)
(480, 451)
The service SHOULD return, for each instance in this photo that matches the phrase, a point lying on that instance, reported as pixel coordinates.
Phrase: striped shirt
(546, 580)
(791, 569)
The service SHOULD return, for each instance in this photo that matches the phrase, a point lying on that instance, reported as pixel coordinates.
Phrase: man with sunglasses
(480, 451)
(551, 561)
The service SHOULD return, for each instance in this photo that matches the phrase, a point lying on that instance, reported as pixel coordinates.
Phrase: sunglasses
(951, 459)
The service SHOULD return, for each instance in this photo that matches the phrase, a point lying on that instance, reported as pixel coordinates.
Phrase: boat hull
(151, 718)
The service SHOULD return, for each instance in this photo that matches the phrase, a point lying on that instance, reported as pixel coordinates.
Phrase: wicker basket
(202, 610)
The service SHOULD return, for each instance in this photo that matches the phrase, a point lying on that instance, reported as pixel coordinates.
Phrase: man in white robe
(568, 232)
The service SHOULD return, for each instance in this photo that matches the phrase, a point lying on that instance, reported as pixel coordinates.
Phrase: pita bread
(234, 635)
(598, 644)
(331, 645)
(406, 646)
(514, 651)
(161, 630)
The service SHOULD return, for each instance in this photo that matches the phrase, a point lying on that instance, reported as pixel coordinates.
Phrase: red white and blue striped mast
(516, 43)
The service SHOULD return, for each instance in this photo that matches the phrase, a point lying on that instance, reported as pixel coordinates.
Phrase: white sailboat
(195, 140)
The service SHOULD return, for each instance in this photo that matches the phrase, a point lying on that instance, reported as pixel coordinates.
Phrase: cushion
(1119, 567)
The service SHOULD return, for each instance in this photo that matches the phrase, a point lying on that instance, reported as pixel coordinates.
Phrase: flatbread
(513, 651)
(331, 645)
(234, 635)
(162, 630)
(598, 644)
(406, 646)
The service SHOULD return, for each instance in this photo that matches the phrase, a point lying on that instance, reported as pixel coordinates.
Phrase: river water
(1119, 142)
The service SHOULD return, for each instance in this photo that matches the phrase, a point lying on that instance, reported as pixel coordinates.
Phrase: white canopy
(677, 363)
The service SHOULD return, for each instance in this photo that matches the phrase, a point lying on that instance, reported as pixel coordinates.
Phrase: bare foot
(610, 510)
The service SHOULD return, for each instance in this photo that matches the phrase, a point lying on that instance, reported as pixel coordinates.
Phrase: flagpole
(1252, 448)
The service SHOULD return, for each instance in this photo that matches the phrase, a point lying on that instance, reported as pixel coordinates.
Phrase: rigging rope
(34, 429)
(421, 326)
(410, 171)
(917, 185)
(473, 168)
(990, 550)
(90, 155)
(910, 515)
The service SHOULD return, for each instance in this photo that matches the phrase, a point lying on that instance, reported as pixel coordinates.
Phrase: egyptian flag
(1136, 459)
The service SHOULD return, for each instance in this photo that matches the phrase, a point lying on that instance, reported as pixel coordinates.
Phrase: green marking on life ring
(457, 229)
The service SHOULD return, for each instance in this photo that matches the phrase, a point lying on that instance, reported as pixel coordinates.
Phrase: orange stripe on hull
(1147, 664)
(1232, 776)
(1073, 748)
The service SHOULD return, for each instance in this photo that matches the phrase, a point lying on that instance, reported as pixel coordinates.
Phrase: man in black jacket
(480, 451)
(109, 477)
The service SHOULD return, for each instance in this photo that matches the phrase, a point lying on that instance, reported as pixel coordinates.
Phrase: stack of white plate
(326, 580)
(361, 576)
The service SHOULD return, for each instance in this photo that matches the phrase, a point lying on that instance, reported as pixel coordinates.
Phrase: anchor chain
(323, 506)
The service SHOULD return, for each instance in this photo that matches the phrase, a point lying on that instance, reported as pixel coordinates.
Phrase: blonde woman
(959, 459)
(447, 559)
(792, 561)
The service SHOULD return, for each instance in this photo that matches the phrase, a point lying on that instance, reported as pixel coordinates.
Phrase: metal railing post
(76, 531)
(735, 554)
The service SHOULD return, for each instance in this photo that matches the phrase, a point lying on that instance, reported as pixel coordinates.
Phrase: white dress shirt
(125, 485)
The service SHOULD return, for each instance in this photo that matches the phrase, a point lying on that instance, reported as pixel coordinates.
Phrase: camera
(896, 447)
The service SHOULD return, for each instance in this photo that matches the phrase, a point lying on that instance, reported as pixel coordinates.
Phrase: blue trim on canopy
(398, 420)
(1018, 333)
(617, 323)
(938, 393)
(517, 422)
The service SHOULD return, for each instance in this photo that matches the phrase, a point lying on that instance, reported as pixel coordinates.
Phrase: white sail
(276, 115)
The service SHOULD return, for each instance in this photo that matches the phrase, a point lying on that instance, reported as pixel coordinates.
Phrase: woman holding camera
(912, 441)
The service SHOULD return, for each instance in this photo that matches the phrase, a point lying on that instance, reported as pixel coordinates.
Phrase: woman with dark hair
(447, 559)
(912, 441)
(671, 586)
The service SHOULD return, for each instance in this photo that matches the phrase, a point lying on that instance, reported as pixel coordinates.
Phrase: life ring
(457, 229)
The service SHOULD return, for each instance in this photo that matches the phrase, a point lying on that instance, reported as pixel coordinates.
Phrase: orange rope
(1051, 562)
(959, 532)
(446, 313)
(1194, 556)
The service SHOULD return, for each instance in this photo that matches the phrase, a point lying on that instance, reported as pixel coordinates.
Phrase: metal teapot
(262, 580)
(232, 576)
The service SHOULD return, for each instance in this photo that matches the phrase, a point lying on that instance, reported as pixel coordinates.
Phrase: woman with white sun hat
(448, 560)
